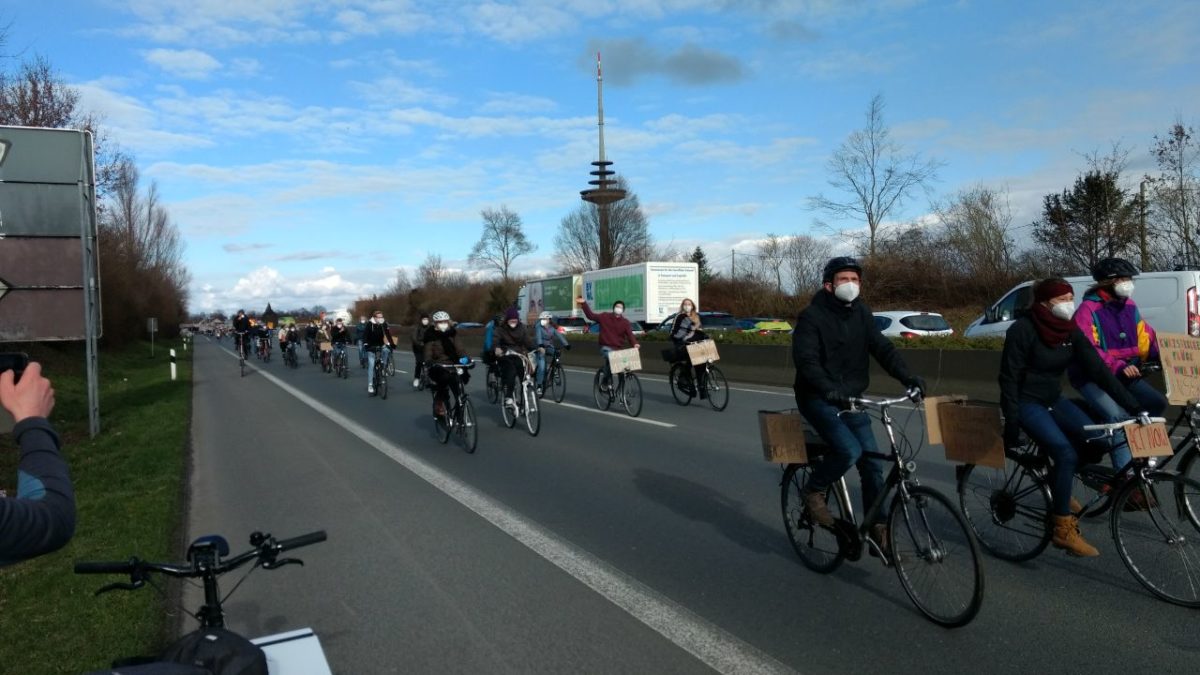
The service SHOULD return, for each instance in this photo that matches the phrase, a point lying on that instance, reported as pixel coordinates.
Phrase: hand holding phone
(31, 396)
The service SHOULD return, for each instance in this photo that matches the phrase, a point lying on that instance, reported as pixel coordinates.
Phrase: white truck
(552, 294)
(651, 291)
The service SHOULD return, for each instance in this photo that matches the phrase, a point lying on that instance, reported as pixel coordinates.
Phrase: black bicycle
(379, 377)
(623, 386)
(290, 358)
(556, 377)
(208, 561)
(460, 414)
(931, 547)
(241, 350)
(340, 367)
(714, 388)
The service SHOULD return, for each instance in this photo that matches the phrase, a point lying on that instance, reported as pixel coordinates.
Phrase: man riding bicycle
(833, 338)
(440, 345)
(615, 333)
(418, 348)
(241, 329)
(339, 336)
(512, 345)
(545, 335)
(378, 343)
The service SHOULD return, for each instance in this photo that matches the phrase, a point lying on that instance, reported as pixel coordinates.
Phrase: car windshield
(925, 322)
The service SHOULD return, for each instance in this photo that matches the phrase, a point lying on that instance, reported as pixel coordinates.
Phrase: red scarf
(1052, 330)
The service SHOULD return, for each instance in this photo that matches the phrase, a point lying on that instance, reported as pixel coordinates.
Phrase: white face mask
(618, 310)
(513, 324)
(1123, 289)
(1063, 310)
(688, 309)
(377, 319)
(846, 292)
(424, 322)
(545, 322)
(442, 326)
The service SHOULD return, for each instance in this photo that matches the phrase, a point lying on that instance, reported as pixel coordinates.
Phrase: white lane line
(623, 416)
(718, 649)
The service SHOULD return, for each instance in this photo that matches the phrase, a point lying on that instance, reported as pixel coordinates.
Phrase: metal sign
(49, 266)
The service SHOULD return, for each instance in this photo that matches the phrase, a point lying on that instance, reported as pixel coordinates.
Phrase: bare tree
(805, 258)
(503, 240)
(401, 285)
(577, 243)
(977, 231)
(432, 273)
(772, 252)
(1176, 195)
(874, 174)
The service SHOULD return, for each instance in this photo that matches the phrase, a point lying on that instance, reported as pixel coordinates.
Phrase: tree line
(142, 273)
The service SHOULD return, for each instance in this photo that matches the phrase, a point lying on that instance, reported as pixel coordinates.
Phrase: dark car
(710, 322)
(633, 326)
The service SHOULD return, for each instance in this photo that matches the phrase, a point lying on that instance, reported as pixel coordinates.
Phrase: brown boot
(818, 510)
(1068, 538)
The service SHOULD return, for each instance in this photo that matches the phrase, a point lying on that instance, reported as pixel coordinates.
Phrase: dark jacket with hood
(442, 347)
(830, 346)
(518, 339)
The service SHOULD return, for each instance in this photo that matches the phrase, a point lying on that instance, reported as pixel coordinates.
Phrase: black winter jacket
(518, 339)
(830, 347)
(1032, 371)
(442, 347)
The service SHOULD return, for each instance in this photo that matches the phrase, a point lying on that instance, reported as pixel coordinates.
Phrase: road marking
(623, 416)
(718, 649)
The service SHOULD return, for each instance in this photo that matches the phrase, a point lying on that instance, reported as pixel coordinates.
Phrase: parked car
(633, 325)
(911, 324)
(572, 324)
(710, 322)
(467, 325)
(764, 325)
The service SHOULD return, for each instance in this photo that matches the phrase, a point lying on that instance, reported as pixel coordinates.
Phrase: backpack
(219, 650)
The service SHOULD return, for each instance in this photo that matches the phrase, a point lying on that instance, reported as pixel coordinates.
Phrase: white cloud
(508, 103)
(191, 64)
(255, 289)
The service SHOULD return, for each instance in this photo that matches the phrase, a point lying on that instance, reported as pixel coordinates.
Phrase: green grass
(129, 483)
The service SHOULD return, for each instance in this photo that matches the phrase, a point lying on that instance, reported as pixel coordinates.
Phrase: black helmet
(1111, 268)
(838, 264)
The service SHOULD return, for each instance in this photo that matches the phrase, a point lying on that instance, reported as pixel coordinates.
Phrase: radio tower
(606, 191)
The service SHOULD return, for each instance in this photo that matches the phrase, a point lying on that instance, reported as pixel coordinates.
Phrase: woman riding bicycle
(685, 330)
(1038, 349)
(545, 337)
(440, 345)
(511, 336)
(1110, 320)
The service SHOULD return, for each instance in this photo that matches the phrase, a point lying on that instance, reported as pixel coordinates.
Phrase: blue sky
(309, 149)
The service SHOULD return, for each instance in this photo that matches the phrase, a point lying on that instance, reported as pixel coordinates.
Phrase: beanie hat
(511, 313)
(1051, 288)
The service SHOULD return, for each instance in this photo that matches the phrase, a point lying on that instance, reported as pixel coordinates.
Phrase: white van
(1167, 300)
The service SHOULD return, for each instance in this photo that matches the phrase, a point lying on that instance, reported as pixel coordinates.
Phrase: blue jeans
(540, 360)
(607, 370)
(849, 436)
(1054, 429)
(386, 354)
(1106, 410)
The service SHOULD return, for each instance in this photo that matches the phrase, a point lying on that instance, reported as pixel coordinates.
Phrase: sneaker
(818, 510)
(370, 390)
(539, 391)
(416, 382)
(509, 402)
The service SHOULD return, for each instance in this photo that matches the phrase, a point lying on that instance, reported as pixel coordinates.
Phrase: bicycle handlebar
(861, 402)
(457, 366)
(267, 550)
(1115, 426)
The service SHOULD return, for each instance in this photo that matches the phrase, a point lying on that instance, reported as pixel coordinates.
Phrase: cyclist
(489, 331)
(310, 334)
(377, 338)
(1038, 348)
(615, 333)
(241, 330)
(339, 335)
(440, 345)
(418, 348)
(264, 339)
(1109, 319)
(362, 331)
(685, 329)
(545, 335)
(283, 339)
(511, 336)
(833, 339)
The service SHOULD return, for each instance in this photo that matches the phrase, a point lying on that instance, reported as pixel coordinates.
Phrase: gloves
(1012, 436)
(465, 360)
(498, 352)
(916, 382)
(837, 399)
(1143, 418)
(541, 350)
(567, 347)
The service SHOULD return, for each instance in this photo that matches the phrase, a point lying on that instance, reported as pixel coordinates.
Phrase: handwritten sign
(621, 360)
(703, 352)
(782, 433)
(1180, 356)
(1151, 440)
(933, 425)
(971, 434)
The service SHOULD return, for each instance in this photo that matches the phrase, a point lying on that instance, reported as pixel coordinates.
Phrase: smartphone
(16, 362)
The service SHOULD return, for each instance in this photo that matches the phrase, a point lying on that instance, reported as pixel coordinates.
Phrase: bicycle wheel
(509, 413)
(1158, 537)
(391, 366)
(680, 384)
(935, 556)
(383, 383)
(441, 425)
(1008, 509)
(602, 397)
(493, 388)
(817, 546)
(558, 383)
(631, 395)
(1189, 468)
(717, 387)
(468, 430)
(242, 365)
(533, 416)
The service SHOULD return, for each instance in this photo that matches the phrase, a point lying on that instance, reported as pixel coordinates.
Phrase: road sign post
(152, 328)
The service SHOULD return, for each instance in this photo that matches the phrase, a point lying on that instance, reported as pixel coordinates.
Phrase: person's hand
(637, 345)
(1143, 418)
(1132, 372)
(31, 397)
(918, 383)
(567, 347)
(579, 300)
(541, 350)
(498, 352)
(837, 399)
(465, 360)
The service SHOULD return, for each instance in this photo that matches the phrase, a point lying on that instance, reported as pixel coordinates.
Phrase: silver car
(911, 324)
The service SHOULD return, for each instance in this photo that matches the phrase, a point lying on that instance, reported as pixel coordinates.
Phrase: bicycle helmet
(839, 264)
(440, 316)
(545, 315)
(1112, 268)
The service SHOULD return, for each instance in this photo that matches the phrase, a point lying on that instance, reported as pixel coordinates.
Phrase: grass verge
(128, 483)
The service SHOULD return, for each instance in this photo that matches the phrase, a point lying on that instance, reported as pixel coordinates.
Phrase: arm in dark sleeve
(41, 518)
(885, 351)
(629, 334)
(806, 353)
(1098, 372)
(1012, 364)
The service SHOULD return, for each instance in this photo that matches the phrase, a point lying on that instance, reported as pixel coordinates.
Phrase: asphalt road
(604, 545)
